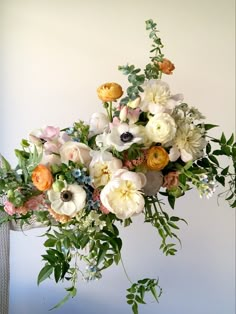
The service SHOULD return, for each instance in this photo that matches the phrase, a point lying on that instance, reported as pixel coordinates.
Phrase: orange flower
(61, 218)
(109, 91)
(157, 158)
(42, 178)
(166, 66)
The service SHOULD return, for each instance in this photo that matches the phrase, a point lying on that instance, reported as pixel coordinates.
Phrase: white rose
(98, 123)
(122, 195)
(161, 128)
(102, 167)
(76, 152)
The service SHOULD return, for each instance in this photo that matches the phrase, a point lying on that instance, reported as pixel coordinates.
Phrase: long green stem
(123, 266)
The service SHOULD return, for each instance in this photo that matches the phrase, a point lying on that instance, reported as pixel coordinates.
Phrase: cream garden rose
(102, 167)
(161, 128)
(76, 152)
(98, 123)
(122, 195)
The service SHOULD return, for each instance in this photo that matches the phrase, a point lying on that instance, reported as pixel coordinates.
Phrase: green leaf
(45, 272)
(50, 242)
(154, 293)
(139, 300)
(63, 301)
(57, 272)
(221, 180)
(213, 159)
(226, 150)
(230, 140)
(130, 296)
(135, 308)
(223, 139)
(209, 126)
(171, 200)
(224, 172)
(208, 148)
(5, 164)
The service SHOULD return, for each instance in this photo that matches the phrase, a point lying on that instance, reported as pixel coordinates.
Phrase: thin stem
(123, 266)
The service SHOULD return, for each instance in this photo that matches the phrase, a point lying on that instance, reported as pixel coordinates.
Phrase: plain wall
(53, 56)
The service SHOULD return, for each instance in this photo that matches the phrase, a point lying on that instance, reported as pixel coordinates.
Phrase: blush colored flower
(171, 180)
(42, 178)
(157, 158)
(122, 195)
(109, 92)
(98, 123)
(96, 197)
(10, 209)
(161, 128)
(35, 202)
(76, 152)
(69, 201)
(166, 66)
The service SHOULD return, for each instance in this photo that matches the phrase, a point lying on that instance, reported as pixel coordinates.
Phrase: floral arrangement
(85, 181)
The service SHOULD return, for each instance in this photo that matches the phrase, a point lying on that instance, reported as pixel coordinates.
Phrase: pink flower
(50, 133)
(34, 202)
(96, 197)
(11, 209)
(171, 180)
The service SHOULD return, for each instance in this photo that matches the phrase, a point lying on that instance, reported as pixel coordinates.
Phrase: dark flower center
(126, 137)
(66, 196)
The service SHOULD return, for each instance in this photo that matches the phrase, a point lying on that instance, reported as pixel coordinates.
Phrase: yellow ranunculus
(109, 92)
(157, 158)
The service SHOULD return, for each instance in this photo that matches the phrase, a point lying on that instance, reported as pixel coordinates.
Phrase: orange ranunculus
(157, 158)
(109, 91)
(42, 178)
(166, 66)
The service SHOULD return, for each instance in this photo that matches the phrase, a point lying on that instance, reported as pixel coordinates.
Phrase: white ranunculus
(76, 152)
(69, 201)
(161, 128)
(188, 143)
(122, 195)
(98, 123)
(102, 167)
(157, 97)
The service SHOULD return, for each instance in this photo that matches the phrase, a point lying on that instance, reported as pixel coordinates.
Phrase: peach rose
(171, 180)
(157, 158)
(166, 66)
(42, 178)
(109, 92)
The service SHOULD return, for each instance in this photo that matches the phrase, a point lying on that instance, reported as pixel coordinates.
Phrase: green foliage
(137, 291)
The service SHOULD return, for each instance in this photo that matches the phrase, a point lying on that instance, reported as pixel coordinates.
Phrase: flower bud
(58, 186)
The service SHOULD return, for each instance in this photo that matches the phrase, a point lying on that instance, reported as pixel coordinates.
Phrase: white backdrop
(54, 54)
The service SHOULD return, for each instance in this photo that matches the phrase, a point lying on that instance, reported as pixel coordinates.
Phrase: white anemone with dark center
(69, 201)
(123, 136)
